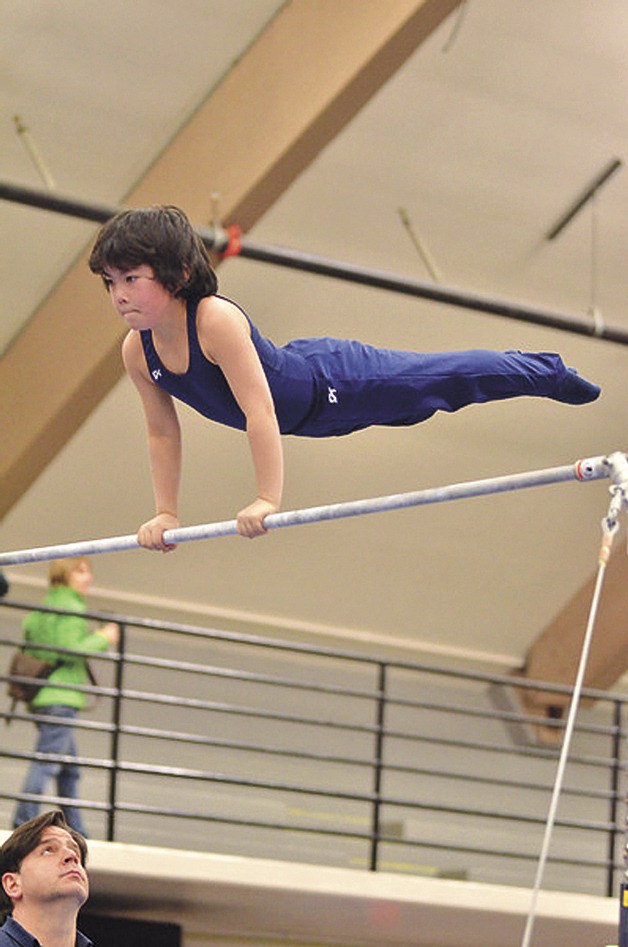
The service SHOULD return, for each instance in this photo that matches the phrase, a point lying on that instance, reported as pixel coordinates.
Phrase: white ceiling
(484, 138)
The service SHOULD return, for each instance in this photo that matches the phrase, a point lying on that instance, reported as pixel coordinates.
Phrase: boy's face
(138, 296)
(52, 871)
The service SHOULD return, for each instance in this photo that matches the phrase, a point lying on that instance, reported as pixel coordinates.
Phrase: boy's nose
(119, 294)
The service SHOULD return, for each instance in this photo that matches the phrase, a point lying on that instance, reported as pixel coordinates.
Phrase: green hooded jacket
(64, 631)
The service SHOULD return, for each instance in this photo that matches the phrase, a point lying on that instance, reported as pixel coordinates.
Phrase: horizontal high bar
(592, 468)
(217, 240)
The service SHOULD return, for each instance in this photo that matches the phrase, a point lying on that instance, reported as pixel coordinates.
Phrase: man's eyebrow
(58, 840)
(48, 840)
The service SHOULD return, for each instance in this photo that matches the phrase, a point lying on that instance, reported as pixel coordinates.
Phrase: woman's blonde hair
(60, 570)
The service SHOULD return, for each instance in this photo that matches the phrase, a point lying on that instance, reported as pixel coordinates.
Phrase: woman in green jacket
(69, 581)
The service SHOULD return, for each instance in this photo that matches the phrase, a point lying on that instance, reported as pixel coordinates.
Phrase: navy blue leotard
(328, 387)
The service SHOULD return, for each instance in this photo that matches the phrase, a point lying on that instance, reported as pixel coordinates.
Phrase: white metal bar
(592, 468)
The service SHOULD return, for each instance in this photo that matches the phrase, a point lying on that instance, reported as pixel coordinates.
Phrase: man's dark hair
(25, 839)
(163, 238)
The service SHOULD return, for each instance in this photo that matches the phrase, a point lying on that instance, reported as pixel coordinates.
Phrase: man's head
(43, 859)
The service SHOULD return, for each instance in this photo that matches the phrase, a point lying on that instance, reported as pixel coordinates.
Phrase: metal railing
(245, 744)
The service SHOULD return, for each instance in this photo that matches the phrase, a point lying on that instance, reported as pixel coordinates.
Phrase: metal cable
(609, 528)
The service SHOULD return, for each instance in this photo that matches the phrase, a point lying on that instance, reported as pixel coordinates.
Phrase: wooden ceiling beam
(554, 656)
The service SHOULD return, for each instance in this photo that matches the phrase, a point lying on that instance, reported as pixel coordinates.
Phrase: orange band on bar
(234, 246)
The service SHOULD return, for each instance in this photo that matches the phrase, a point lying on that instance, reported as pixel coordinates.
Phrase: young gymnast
(189, 343)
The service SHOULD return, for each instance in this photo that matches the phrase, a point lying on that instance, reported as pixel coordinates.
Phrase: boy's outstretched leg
(573, 389)
(392, 387)
(450, 380)
(496, 375)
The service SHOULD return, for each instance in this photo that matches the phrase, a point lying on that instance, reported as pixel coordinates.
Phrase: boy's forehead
(109, 270)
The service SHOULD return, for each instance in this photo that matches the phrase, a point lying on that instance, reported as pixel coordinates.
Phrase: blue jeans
(53, 738)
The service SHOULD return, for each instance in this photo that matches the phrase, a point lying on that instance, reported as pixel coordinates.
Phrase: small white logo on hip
(156, 373)
(332, 397)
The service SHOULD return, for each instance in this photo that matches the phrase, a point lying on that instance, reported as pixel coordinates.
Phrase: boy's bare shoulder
(132, 356)
(215, 312)
(217, 306)
(129, 344)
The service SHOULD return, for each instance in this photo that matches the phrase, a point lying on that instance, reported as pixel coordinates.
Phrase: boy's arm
(225, 338)
(164, 447)
(266, 450)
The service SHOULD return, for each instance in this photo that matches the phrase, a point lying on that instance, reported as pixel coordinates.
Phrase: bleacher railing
(250, 745)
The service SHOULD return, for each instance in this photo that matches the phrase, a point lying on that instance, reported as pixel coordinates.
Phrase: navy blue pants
(359, 386)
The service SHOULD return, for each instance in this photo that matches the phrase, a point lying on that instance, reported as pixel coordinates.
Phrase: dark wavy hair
(25, 840)
(163, 238)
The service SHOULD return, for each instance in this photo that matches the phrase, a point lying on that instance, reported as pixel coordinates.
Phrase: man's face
(52, 871)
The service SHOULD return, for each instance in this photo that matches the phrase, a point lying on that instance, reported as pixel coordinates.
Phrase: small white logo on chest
(332, 397)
